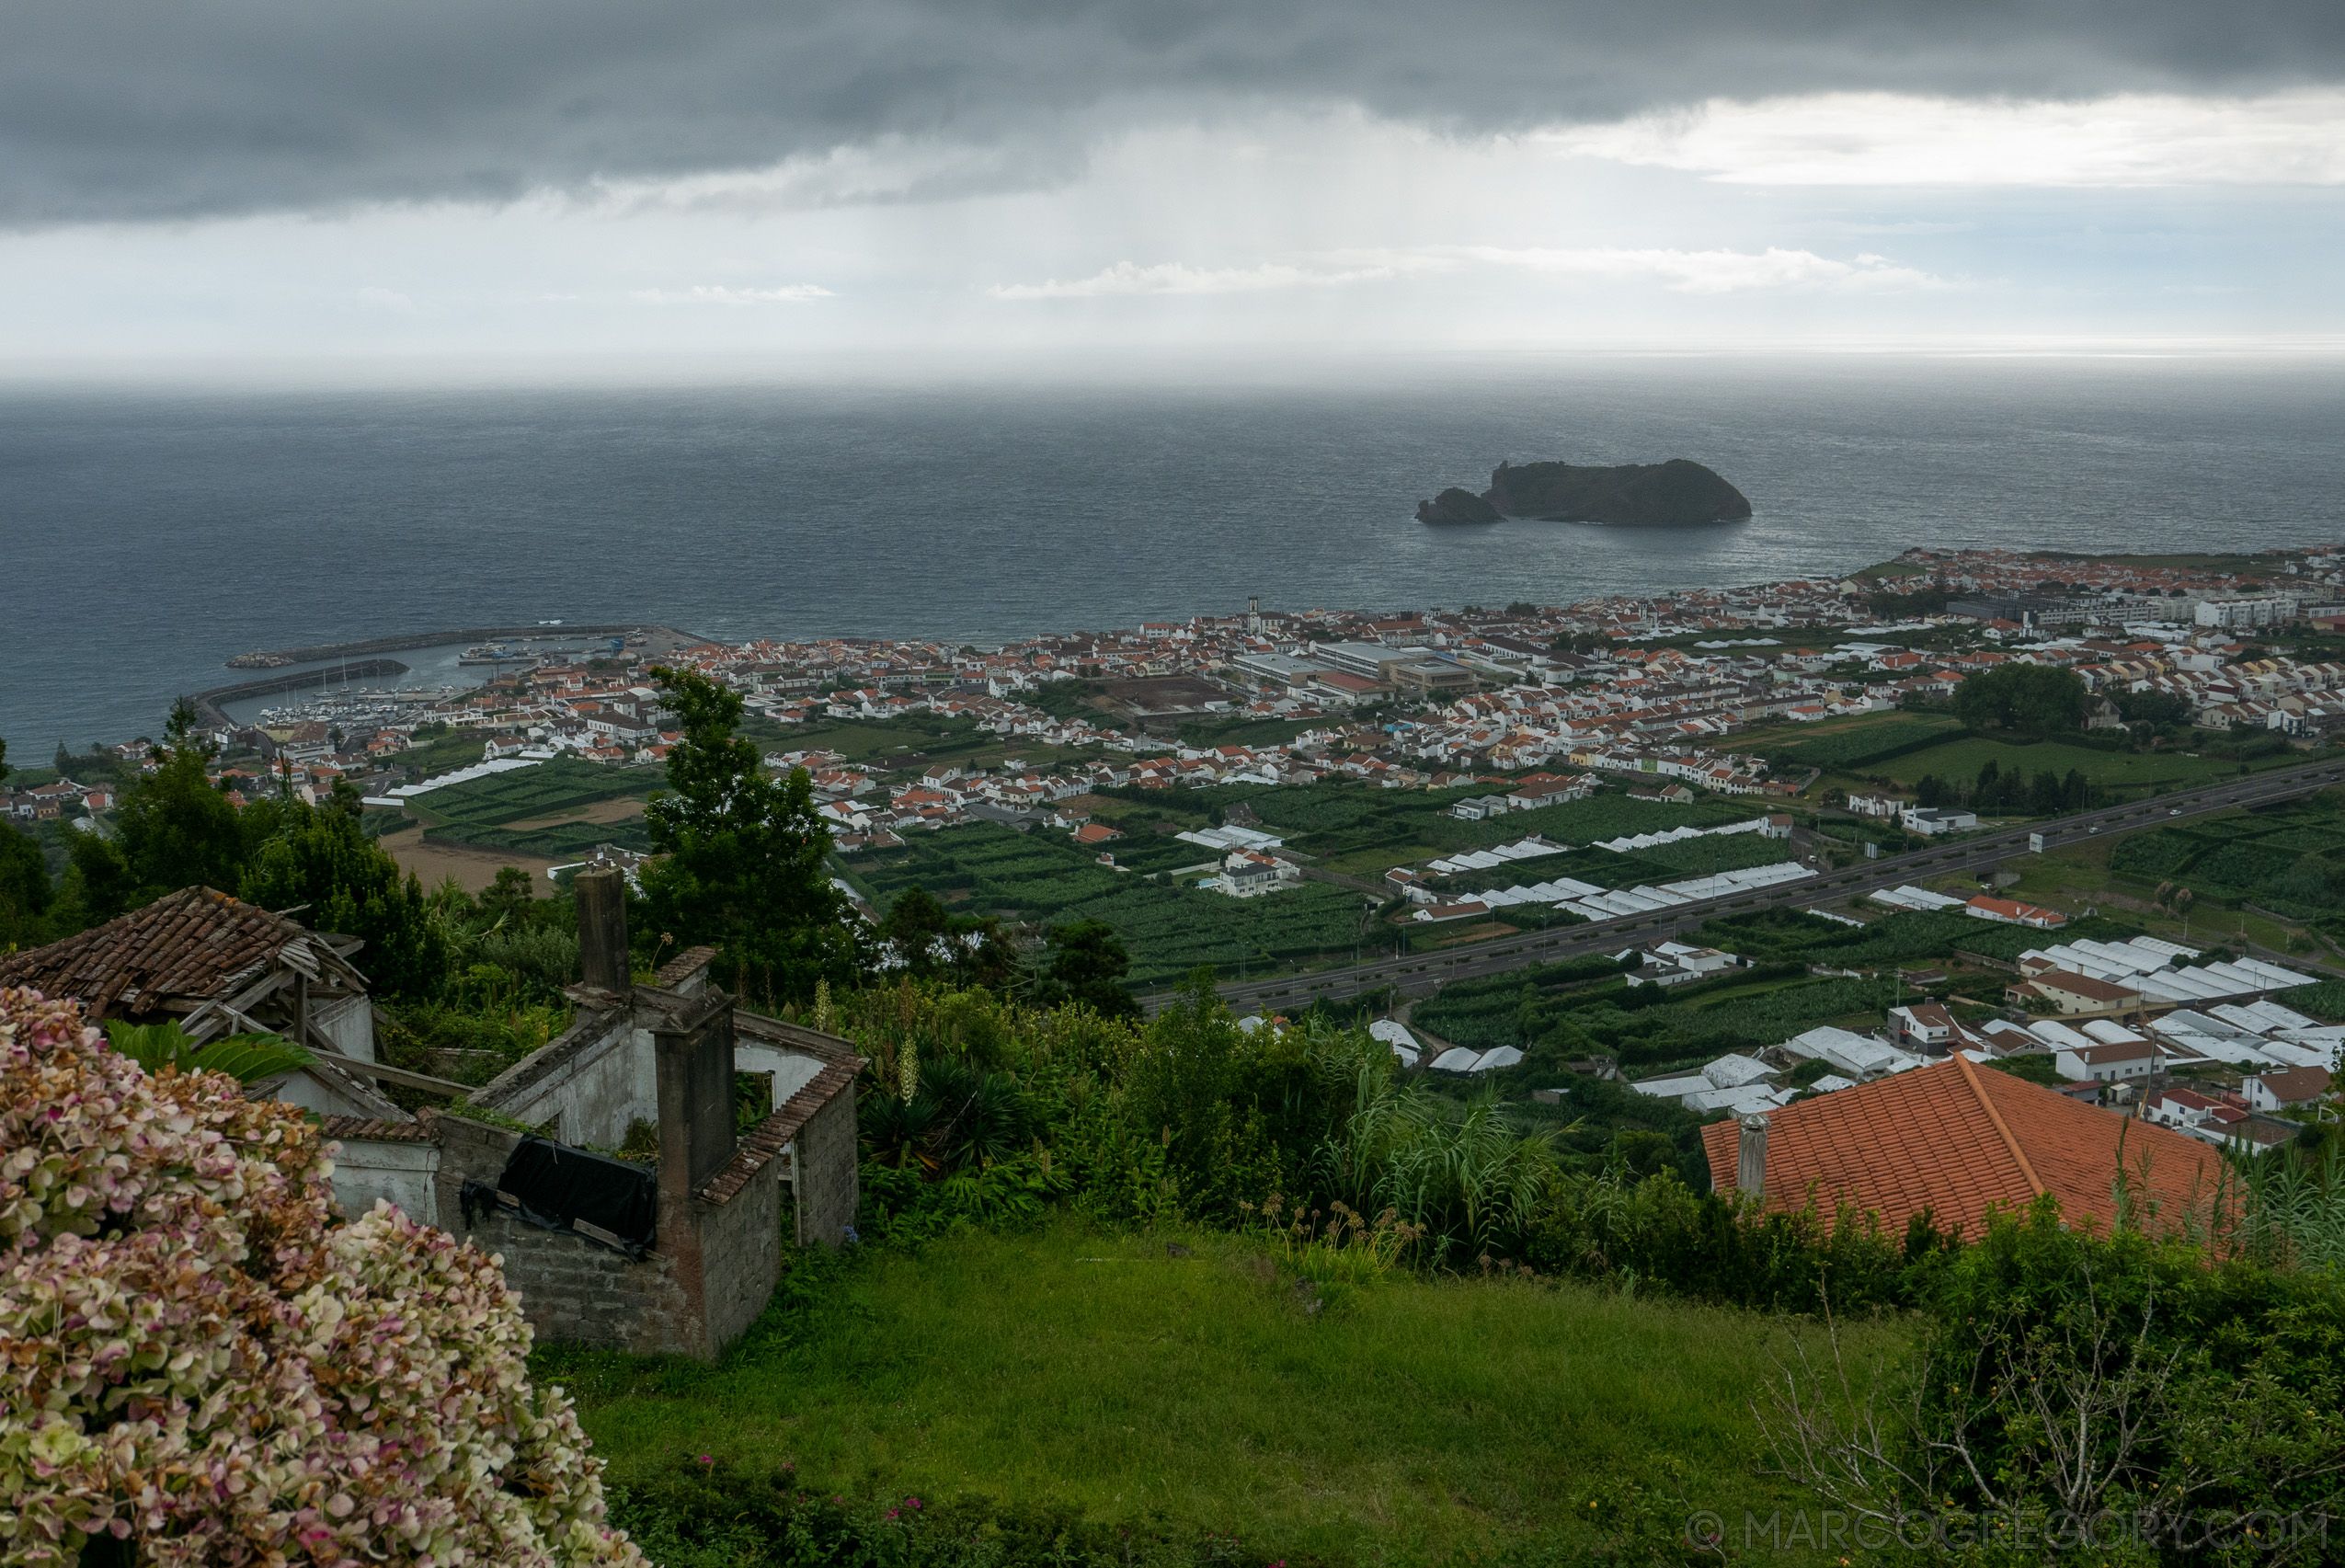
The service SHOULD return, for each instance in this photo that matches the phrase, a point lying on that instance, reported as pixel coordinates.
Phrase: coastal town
(1417, 699)
(1136, 776)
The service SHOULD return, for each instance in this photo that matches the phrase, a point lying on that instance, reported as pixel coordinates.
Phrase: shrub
(200, 1362)
(2070, 1378)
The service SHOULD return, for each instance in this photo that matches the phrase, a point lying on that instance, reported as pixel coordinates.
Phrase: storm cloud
(153, 109)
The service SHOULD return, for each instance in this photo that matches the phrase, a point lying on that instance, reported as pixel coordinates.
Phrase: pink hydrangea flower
(199, 1356)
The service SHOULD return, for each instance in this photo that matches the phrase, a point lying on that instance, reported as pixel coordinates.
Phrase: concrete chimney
(1750, 1156)
(601, 893)
(694, 1061)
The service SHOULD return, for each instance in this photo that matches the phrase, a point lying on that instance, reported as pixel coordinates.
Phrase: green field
(1169, 929)
(2285, 860)
(482, 812)
(443, 750)
(914, 742)
(1845, 746)
(1243, 731)
(2129, 771)
(1093, 1374)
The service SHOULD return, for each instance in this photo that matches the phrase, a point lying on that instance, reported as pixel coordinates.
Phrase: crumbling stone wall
(584, 1087)
(741, 1254)
(826, 1181)
(571, 1289)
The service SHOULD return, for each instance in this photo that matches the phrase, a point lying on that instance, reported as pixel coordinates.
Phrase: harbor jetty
(274, 659)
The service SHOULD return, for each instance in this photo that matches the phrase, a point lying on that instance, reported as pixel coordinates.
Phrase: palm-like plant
(247, 1058)
(1470, 1180)
(1473, 1181)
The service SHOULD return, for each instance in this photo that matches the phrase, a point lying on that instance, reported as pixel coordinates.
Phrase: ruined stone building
(680, 1256)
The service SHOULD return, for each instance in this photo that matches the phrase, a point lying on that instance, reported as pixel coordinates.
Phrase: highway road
(1421, 973)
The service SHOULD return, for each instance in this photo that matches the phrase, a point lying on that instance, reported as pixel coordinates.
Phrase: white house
(2278, 1088)
(1246, 874)
(2109, 1063)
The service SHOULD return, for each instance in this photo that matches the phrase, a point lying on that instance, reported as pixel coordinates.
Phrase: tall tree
(176, 827)
(2049, 795)
(1088, 965)
(2034, 698)
(915, 928)
(24, 882)
(323, 864)
(741, 857)
(99, 884)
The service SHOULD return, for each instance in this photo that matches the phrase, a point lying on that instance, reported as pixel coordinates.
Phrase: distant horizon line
(883, 365)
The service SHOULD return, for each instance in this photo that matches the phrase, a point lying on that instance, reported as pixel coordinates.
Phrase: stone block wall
(825, 1179)
(741, 1254)
(570, 1288)
(577, 1292)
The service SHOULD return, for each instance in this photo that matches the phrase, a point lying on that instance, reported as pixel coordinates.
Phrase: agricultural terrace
(1077, 1377)
(1169, 926)
(1705, 857)
(1363, 831)
(2274, 874)
(555, 810)
(1559, 1012)
(914, 742)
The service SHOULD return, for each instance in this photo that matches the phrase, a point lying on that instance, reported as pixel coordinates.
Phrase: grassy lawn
(555, 810)
(2121, 770)
(1414, 1419)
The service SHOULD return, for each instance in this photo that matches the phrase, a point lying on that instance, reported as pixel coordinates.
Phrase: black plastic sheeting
(556, 1186)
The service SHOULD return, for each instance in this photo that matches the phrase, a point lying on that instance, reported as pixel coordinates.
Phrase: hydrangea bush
(199, 1361)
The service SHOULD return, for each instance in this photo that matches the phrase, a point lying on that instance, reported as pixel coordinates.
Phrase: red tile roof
(188, 944)
(1957, 1138)
(774, 1134)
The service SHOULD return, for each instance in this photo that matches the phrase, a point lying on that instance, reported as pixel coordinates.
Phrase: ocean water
(148, 534)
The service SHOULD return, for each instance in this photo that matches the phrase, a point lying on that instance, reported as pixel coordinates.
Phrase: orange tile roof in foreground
(1958, 1139)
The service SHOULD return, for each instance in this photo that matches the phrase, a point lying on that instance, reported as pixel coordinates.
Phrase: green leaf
(247, 1058)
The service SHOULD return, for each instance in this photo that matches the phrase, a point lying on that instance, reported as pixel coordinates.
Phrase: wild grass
(1961, 759)
(1413, 1419)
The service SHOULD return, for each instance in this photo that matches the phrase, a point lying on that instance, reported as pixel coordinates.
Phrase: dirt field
(624, 808)
(473, 869)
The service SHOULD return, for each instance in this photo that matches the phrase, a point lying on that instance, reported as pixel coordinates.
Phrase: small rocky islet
(1676, 494)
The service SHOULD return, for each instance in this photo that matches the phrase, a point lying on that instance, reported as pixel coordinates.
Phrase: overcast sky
(194, 179)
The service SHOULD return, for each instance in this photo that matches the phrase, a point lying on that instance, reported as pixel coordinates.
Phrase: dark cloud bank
(159, 109)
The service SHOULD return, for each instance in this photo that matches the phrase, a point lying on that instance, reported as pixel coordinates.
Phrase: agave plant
(247, 1058)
